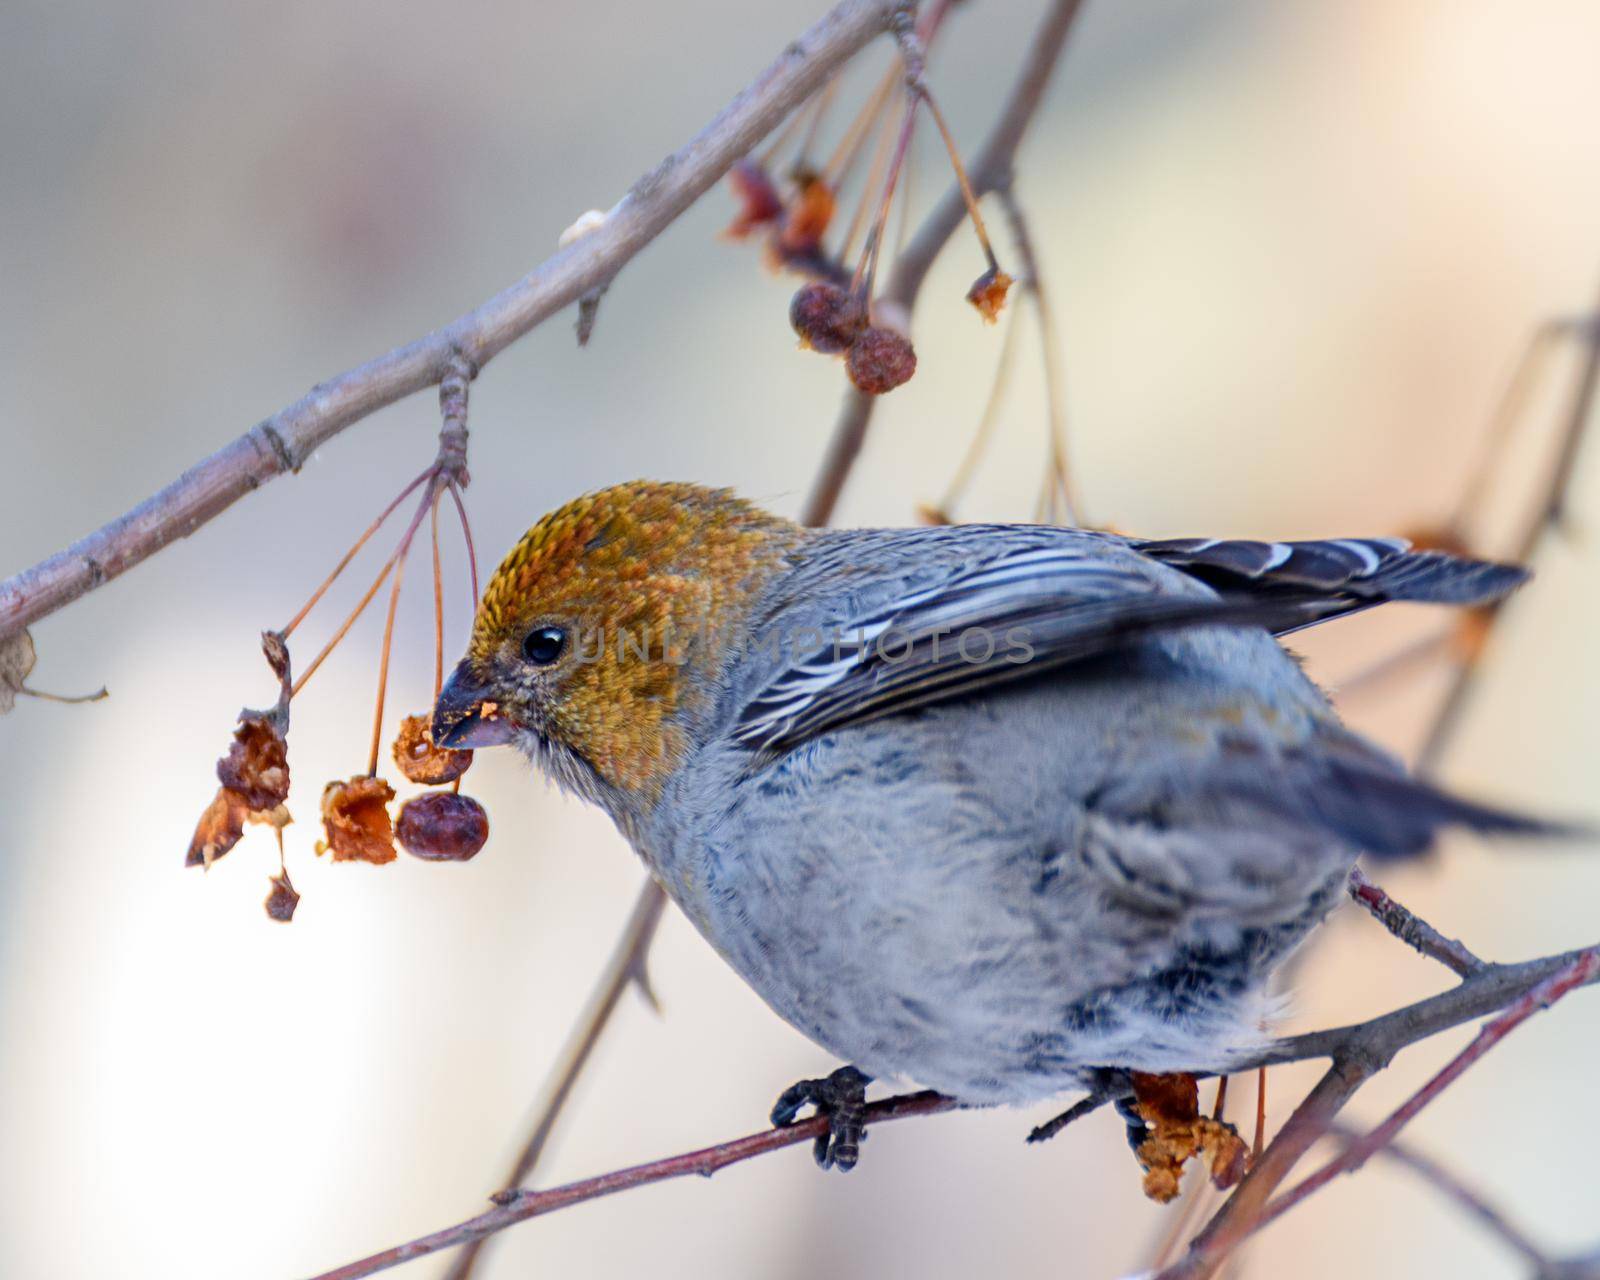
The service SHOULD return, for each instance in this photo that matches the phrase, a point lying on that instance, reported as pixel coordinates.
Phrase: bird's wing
(1019, 611)
(1335, 576)
(1043, 598)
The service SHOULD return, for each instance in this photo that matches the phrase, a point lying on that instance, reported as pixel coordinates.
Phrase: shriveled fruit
(355, 816)
(827, 318)
(420, 761)
(880, 360)
(443, 826)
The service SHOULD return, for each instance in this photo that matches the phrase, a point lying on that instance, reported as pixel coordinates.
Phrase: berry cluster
(835, 312)
(437, 825)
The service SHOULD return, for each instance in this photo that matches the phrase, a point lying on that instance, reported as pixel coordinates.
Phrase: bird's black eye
(543, 645)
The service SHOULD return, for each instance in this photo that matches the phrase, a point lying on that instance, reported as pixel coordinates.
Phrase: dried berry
(420, 761)
(988, 293)
(806, 220)
(355, 815)
(219, 828)
(759, 202)
(880, 360)
(1177, 1132)
(282, 901)
(443, 826)
(257, 764)
(827, 318)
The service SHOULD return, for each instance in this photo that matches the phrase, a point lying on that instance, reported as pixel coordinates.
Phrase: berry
(827, 318)
(442, 826)
(880, 360)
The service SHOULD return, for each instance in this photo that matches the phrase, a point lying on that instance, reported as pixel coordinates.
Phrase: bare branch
(518, 1206)
(625, 968)
(1358, 1053)
(284, 441)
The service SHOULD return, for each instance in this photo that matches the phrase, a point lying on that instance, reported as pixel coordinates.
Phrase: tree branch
(1411, 929)
(284, 441)
(1358, 1052)
(518, 1206)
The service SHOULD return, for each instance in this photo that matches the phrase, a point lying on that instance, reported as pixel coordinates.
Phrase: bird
(1003, 810)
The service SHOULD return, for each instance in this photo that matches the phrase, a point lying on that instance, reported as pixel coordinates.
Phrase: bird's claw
(842, 1098)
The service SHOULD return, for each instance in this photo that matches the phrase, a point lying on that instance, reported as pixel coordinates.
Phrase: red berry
(442, 826)
(880, 360)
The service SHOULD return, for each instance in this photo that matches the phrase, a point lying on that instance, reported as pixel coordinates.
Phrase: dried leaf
(16, 661)
(219, 828)
(355, 816)
(257, 764)
(807, 218)
(988, 293)
(443, 826)
(759, 202)
(420, 761)
(1170, 1107)
(282, 901)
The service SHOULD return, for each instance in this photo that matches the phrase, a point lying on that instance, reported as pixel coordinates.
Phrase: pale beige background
(1295, 247)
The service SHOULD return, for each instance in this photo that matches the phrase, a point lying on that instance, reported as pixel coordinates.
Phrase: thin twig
(284, 441)
(1358, 1051)
(1055, 404)
(1584, 968)
(1448, 1183)
(625, 968)
(519, 1206)
(1412, 929)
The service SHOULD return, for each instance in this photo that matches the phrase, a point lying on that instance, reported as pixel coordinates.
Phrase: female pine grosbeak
(1002, 809)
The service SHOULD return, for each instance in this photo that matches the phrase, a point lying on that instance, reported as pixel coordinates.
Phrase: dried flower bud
(880, 360)
(443, 826)
(257, 764)
(988, 293)
(806, 221)
(282, 901)
(759, 201)
(355, 815)
(827, 318)
(219, 828)
(420, 761)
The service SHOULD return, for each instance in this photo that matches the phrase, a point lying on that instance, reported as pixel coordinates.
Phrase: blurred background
(1295, 249)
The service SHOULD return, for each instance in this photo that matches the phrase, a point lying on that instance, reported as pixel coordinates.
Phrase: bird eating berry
(999, 809)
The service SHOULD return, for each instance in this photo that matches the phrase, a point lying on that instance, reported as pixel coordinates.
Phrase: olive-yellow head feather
(595, 636)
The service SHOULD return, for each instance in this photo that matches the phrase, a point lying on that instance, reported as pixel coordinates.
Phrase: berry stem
(438, 594)
(967, 194)
(986, 423)
(880, 158)
(351, 554)
(848, 149)
(466, 534)
(399, 562)
(867, 269)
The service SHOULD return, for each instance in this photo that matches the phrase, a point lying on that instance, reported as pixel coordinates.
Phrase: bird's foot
(842, 1098)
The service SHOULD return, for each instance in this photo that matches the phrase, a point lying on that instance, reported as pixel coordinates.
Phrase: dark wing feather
(1336, 576)
(1023, 611)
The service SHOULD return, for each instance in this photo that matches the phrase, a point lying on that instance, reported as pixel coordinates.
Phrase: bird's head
(597, 641)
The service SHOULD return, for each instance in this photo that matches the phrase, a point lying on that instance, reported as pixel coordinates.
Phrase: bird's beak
(465, 717)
